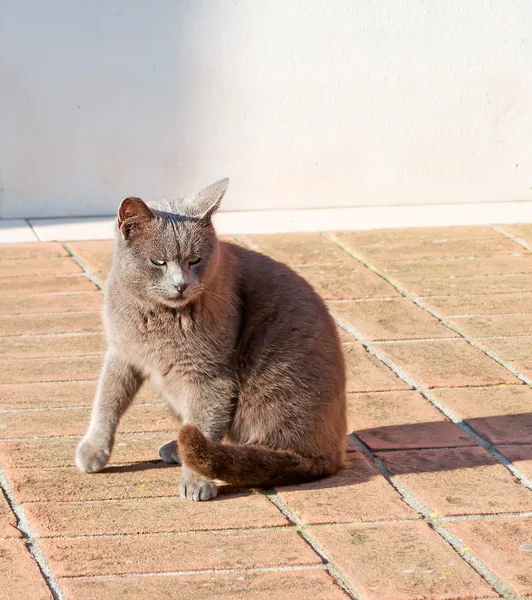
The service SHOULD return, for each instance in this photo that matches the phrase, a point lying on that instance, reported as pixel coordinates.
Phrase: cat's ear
(205, 203)
(134, 215)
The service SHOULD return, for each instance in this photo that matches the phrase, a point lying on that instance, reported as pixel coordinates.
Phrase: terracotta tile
(401, 420)
(510, 349)
(44, 285)
(492, 304)
(494, 325)
(520, 455)
(522, 231)
(59, 451)
(504, 545)
(75, 421)
(367, 373)
(156, 515)
(349, 280)
(458, 286)
(447, 363)
(96, 254)
(50, 303)
(502, 414)
(516, 351)
(8, 523)
(345, 337)
(417, 562)
(56, 394)
(141, 480)
(430, 242)
(32, 251)
(398, 319)
(461, 481)
(188, 552)
(49, 346)
(358, 493)
(281, 585)
(19, 573)
(519, 263)
(39, 266)
(300, 248)
(49, 369)
(64, 323)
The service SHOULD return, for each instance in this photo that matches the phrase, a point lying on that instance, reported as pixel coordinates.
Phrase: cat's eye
(194, 261)
(159, 263)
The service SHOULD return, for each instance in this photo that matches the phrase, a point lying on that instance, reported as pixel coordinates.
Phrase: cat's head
(168, 252)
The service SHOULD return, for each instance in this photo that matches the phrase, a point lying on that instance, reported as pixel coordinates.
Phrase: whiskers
(222, 299)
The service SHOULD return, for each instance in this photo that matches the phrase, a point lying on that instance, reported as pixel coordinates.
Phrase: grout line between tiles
(515, 515)
(48, 381)
(444, 339)
(205, 532)
(64, 334)
(79, 435)
(52, 314)
(30, 538)
(489, 315)
(316, 566)
(514, 238)
(66, 408)
(38, 294)
(89, 273)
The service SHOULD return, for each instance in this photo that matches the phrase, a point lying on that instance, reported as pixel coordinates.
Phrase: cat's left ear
(205, 203)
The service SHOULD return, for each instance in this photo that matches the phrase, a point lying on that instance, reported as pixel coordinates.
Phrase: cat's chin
(175, 302)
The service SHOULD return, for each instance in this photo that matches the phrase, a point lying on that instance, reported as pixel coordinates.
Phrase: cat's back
(274, 281)
(281, 305)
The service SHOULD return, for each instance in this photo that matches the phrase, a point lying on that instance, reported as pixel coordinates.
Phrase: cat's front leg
(118, 384)
(210, 409)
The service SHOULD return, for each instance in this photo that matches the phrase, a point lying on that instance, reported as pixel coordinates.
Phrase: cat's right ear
(134, 215)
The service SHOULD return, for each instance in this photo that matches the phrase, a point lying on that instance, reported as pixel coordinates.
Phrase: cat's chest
(159, 342)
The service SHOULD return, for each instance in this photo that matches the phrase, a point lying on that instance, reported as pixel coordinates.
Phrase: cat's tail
(248, 464)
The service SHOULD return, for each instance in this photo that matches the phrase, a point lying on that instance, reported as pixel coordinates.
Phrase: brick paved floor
(435, 501)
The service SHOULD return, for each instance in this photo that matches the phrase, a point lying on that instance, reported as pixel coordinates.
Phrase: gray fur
(239, 346)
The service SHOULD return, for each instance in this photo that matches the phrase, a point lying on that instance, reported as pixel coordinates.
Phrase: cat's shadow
(403, 449)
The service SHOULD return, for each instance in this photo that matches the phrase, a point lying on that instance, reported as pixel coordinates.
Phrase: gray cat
(241, 348)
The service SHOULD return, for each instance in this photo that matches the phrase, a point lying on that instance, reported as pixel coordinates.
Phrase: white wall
(301, 102)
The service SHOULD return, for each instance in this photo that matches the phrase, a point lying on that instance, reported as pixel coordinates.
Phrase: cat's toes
(91, 457)
(170, 453)
(197, 489)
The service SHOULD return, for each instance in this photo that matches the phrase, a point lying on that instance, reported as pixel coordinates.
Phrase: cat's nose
(180, 287)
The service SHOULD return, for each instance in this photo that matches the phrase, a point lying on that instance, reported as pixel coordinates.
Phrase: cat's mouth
(177, 300)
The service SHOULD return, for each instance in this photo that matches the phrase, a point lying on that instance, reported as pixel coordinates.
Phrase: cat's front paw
(193, 487)
(91, 457)
(169, 452)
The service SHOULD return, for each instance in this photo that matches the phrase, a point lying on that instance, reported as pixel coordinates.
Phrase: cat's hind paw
(170, 453)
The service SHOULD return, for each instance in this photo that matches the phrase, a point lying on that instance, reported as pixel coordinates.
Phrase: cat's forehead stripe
(179, 236)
